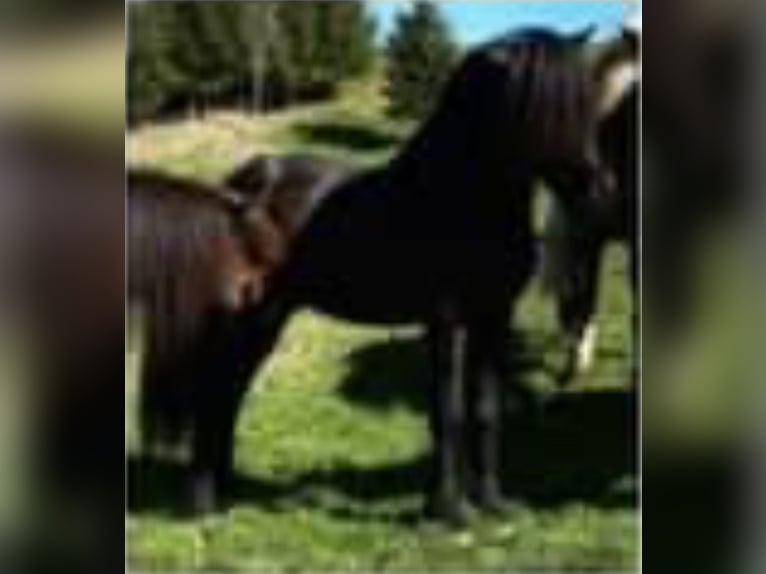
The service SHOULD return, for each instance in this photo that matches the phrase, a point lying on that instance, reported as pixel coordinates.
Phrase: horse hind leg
(235, 346)
(162, 408)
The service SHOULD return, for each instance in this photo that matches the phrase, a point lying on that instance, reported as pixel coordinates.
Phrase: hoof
(491, 500)
(453, 513)
(491, 504)
(498, 506)
(565, 378)
(203, 497)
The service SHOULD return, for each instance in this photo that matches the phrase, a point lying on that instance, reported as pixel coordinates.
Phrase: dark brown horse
(440, 237)
(574, 243)
(197, 254)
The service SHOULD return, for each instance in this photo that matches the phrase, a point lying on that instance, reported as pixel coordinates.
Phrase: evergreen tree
(320, 43)
(259, 54)
(153, 76)
(346, 38)
(421, 54)
(205, 48)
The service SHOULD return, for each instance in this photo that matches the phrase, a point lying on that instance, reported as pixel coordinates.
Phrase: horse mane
(523, 93)
(537, 35)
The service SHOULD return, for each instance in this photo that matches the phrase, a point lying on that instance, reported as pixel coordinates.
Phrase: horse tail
(167, 378)
(166, 244)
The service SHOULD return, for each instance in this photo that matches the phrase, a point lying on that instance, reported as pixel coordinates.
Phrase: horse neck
(437, 163)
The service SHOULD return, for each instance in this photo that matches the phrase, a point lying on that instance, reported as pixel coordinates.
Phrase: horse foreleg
(447, 498)
(487, 370)
(165, 368)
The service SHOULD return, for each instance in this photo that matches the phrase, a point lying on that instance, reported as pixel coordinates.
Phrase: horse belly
(371, 305)
(365, 288)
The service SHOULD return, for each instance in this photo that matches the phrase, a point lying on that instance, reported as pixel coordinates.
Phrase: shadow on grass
(159, 487)
(394, 373)
(580, 447)
(346, 136)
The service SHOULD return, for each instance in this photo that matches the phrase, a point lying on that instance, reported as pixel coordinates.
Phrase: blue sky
(479, 20)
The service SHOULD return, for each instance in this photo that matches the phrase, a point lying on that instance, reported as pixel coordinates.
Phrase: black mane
(547, 37)
(524, 96)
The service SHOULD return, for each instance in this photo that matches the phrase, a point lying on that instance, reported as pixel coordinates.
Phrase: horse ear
(630, 38)
(234, 200)
(582, 37)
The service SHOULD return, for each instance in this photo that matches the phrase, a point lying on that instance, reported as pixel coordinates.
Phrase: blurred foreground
(61, 292)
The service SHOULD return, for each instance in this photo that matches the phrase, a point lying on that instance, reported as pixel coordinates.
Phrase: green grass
(351, 129)
(332, 446)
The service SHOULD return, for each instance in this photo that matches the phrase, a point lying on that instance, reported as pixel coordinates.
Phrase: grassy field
(332, 448)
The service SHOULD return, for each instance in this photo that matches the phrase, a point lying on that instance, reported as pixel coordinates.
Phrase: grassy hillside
(352, 128)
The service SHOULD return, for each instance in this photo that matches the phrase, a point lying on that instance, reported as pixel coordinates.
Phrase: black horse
(574, 243)
(197, 254)
(440, 237)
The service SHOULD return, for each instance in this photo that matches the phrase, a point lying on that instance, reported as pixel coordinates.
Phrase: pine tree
(321, 44)
(205, 50)
(153, 76)
(346, 38)
(258, 54)
(421, 54)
